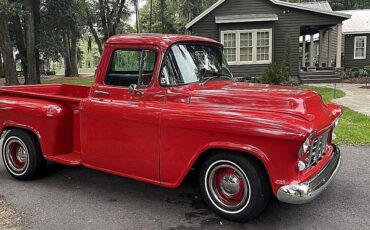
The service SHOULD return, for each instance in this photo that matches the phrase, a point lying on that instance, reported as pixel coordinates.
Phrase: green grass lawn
(73, 80)
(354, 127)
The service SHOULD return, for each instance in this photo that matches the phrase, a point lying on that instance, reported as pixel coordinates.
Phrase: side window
(171, 74)
(128, 66)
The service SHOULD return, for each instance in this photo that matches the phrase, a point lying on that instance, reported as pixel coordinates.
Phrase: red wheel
(16, 155)
(228, 186)
(236, 187)
(22, 155)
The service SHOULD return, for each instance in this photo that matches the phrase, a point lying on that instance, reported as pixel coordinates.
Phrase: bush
(355, 73)
(276, 74)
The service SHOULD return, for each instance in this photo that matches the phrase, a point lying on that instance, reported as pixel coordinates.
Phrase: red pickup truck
(162, 105)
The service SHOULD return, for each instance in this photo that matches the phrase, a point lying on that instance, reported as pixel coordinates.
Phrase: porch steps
(317, 77)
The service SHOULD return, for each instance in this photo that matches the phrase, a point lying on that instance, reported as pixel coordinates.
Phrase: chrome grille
(317, 148)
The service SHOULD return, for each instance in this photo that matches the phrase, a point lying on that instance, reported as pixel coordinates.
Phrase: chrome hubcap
(16, 155)
(228, 186)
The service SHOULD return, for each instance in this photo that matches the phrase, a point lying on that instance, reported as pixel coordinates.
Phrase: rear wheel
(234, 186)
(22, 155)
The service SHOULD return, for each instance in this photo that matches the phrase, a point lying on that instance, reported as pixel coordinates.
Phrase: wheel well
(31, 133)
(210, 152)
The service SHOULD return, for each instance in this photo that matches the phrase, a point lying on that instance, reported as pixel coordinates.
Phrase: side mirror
(134, 89)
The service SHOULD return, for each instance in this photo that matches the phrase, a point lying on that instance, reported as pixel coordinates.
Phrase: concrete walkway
(356, 98)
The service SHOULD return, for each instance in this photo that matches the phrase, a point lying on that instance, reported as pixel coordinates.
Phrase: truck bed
(60, 92)
(66, 128)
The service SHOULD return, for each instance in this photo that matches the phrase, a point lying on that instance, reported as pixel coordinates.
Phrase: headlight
(306, 145)
(303, 152)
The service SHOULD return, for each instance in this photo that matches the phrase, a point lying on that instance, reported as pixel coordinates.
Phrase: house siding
(285, 31)
(349, 61)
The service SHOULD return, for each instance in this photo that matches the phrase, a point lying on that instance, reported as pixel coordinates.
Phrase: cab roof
(162, 40)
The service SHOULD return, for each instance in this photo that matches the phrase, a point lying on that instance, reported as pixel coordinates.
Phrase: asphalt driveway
(78, 198)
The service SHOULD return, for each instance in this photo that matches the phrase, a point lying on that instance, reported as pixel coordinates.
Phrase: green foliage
(276, 74)
(355, 73)
(354, 127)
(177, 14)
(10, 8)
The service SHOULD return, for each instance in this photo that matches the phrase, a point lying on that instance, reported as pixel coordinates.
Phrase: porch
(321, 48)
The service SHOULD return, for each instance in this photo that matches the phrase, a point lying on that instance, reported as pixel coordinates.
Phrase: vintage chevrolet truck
(163, 105)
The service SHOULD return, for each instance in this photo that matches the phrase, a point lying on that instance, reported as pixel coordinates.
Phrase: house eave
(356, 32)
(276, 2)
(202, 15)
(246, 18)
(292, 5)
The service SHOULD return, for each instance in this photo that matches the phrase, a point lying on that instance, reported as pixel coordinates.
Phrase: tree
(33, 74)
(1, 65)
(6, 46)
(106, 17)
(170, 16)
(136, 2)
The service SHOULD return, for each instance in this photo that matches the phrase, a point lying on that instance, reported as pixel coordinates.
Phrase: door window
(130, 67)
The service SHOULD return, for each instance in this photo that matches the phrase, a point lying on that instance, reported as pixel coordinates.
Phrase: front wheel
(234, 186)
(22, 155)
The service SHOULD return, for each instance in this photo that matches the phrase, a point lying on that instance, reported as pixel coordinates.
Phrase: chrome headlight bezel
(306, 145)
(336, 122)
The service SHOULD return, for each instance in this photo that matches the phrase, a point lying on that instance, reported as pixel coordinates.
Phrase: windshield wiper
(215, 76)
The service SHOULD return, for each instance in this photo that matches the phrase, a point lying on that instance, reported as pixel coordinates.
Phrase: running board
(70, 159)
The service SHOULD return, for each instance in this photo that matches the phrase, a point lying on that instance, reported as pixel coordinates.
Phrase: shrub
(276, 74)
(355, 72)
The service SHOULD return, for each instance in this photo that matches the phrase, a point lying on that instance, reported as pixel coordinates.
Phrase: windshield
(191, 63)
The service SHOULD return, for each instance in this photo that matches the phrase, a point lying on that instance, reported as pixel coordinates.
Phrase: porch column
(304, 52)
(339, 46)
(321, 47)
(311, 50)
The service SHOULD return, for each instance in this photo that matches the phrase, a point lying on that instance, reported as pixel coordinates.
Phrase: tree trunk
(162, 6)
(32, 72)
(96, 36)
(67, 56)
(20, 42)
(151, 16)
(36, 16)
(103, 19)
(137, 16)
(1, 65)
(6, 47)
(73, 57)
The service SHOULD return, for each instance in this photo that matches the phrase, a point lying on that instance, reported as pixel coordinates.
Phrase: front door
(120, 128)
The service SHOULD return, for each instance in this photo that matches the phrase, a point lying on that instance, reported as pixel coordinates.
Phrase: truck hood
(289, 100)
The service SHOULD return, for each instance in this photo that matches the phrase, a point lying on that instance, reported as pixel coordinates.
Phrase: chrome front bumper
(309, 190)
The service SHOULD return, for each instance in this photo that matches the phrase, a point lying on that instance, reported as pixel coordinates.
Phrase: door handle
(99, 92)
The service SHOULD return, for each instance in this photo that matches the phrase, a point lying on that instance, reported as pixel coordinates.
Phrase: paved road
(77, 198)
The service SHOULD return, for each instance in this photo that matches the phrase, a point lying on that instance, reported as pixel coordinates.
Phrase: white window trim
(254, 46)
(355, 47)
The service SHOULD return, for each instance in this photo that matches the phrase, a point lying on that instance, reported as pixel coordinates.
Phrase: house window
(247, 46)
(230, 47)
(360, 47)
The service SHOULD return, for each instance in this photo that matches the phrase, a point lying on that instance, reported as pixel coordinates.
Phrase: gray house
(356, 32)
(256, 33)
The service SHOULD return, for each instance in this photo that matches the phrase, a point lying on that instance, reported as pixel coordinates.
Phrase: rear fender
(51, 122)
